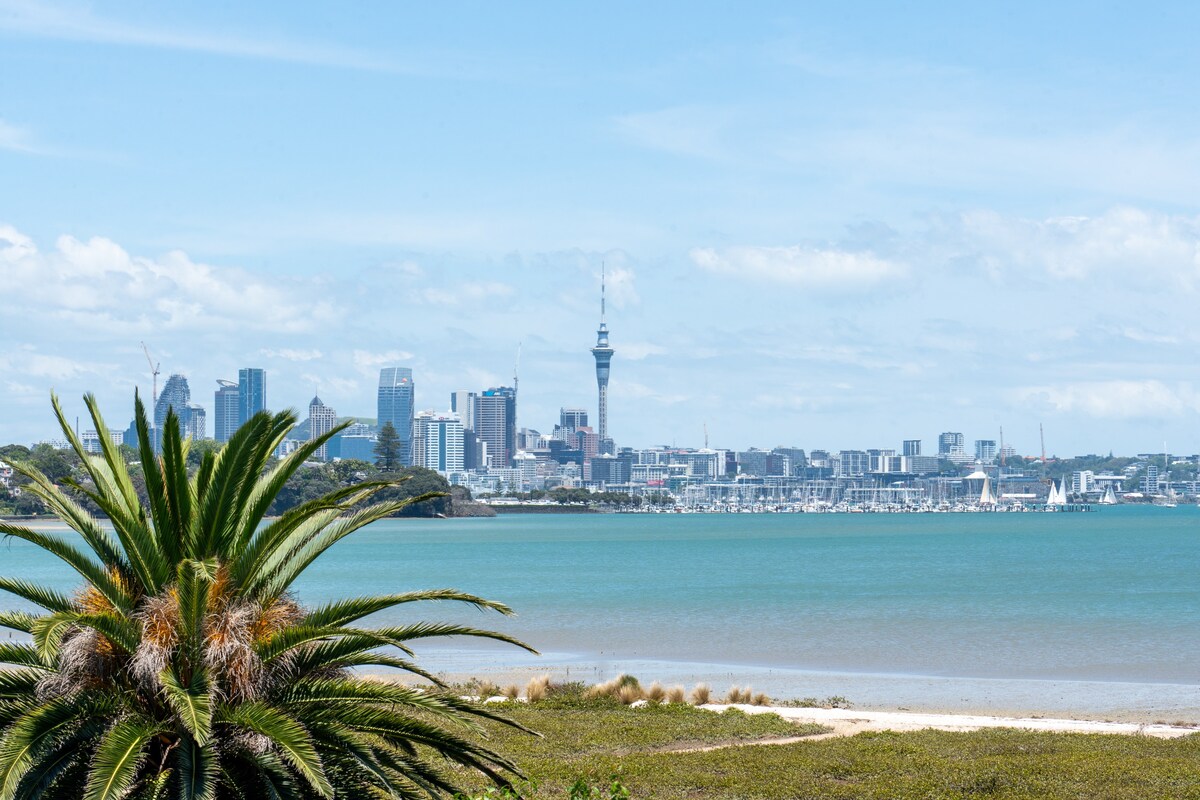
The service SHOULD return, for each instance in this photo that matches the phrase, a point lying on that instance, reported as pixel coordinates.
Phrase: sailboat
(1109, 498)
(1056, 497)
(986, 497)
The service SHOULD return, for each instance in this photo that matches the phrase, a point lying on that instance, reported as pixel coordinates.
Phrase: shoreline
(1138, 703)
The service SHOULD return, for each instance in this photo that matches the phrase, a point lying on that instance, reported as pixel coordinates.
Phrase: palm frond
(197, 771)
(287, 734)
(341, 612)
(192, 704)
(93, 573)
(115, 765)
(38, 595)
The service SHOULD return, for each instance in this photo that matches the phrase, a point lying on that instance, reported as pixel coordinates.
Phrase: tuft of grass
(701, 694)
(629, 693)
(656, 693)
(761, 699)
(676, 694)
(537, 688)
(512, 692)
(739, 695)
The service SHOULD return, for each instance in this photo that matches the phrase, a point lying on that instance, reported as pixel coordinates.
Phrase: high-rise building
(912, 447)
(441, 442)
(462, 403)
(177, 395)
(569, 421)
(985, 450)
(496, 424)
(603, 355)
(252, 393)
(395, 405)
(196, 426)
(321, 420)
(227, 410)
(950, 443)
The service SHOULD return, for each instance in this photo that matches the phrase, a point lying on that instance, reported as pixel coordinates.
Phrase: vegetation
(184, 667)
(659, 752)
(387, 448)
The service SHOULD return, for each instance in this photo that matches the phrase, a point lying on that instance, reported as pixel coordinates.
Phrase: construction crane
(154, 373)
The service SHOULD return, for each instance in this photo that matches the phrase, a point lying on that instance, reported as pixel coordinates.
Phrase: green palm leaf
(183, 666)
(287, 734)
(115, 765)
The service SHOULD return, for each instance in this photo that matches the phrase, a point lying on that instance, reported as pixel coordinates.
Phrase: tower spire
(603, 354)
(602, 292)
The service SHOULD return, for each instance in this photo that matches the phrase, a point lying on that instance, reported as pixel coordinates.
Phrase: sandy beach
(847, 722)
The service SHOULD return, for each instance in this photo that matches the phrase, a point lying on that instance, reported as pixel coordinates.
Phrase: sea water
(1099, 610)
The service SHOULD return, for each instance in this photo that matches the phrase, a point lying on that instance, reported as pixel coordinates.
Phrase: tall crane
(154, 372)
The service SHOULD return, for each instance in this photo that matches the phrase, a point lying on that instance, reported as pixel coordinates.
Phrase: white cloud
(636, 351)
(639, 391)
(368, 363)
(99, 286)
(797, 265)
(77, 23)
(466, 291)
(1138, 249)
(692, 131)
(1113, 399)
(289, 354)
(15, 139)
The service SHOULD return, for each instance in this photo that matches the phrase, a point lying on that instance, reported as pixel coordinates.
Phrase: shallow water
(974, 599)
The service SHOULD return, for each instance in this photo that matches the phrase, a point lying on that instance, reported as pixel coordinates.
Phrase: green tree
(387, 448)
(185, 667)
(427, 491)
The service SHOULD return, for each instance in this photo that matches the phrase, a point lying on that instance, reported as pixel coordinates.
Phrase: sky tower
(603, 354)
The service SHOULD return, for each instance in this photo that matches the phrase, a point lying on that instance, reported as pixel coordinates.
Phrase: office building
(912, 447)
(321, 420)
(440, 438)
(462, 405)
(495, 413)
(227, 410)
(252, 393)
(176, 396)
(985, 450)
(395, 405)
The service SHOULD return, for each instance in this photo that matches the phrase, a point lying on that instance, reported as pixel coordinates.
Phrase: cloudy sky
(832, 227)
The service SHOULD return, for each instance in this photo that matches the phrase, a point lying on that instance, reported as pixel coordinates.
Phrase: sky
(833, 225)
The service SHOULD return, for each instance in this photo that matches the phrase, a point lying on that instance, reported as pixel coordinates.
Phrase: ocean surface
(1095, 613)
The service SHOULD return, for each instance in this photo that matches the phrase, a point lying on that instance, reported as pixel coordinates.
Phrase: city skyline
(834, 226)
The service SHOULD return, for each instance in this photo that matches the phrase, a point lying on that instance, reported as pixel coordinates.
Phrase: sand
(847, 722)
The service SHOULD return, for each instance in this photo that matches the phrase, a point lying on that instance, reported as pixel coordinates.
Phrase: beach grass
(658, 752)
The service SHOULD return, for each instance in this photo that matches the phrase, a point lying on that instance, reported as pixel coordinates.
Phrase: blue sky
(831, 227)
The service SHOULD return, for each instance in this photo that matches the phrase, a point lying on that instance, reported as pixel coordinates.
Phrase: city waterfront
(1083, 613)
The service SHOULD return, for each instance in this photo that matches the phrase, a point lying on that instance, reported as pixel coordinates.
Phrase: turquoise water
(1108, 596)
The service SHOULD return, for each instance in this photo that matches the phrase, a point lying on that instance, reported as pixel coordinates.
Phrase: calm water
(1108, 596)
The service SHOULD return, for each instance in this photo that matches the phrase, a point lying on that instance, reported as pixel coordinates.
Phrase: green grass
(597, 739)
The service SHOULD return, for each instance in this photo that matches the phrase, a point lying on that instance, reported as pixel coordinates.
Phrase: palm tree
(184, 667)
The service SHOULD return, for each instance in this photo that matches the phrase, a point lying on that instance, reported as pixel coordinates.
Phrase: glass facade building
(395, 405)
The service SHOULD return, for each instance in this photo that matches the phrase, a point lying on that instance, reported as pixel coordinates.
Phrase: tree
(387, 448)
(427, 490)
(185, 666)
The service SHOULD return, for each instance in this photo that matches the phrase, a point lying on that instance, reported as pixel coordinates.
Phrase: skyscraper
(496, 424)
(569, 421)
(321, 420)
(227, 410)
(252, 393)
(176, 395)
(395, 405)
(441, 440)
(603, 355)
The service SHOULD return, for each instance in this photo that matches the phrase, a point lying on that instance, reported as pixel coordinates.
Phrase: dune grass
(653, 751)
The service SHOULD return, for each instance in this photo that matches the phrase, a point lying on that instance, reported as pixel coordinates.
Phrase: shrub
(676, 695)
(537, 687)
(701, 694)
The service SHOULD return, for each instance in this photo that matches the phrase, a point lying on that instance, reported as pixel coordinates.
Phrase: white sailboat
(1056, 497)
(986, 497)
(1109, 499)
